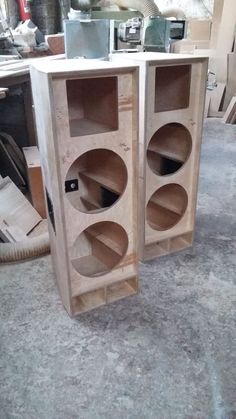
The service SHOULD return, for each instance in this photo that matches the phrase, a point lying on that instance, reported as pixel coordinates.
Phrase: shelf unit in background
(86, 115)
(171, 107)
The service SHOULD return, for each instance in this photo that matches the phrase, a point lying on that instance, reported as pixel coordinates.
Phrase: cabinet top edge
(80, 67)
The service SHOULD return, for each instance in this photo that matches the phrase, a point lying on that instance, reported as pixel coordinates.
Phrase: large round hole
(99, 249)
(166, 207)
(96, 180)
(169, 149)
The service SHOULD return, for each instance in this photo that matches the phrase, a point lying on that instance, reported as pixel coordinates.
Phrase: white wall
(200, 9)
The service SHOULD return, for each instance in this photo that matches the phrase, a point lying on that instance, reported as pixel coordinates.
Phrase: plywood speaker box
(86, 115)
(171, 108)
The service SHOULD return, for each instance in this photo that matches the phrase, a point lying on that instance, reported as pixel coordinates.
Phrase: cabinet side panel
(44, 113)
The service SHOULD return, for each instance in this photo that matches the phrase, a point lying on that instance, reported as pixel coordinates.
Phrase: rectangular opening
(160, 248)
(181, 242)
(172, 87)
(92, 105)
(122, 289)
(88, 301)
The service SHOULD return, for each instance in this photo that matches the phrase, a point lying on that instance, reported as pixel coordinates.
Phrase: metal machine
(95, 33)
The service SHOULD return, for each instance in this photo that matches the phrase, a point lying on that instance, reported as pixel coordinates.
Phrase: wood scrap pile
(223, 60)
(23, 233)
(17, 216)
(12, 160)
(216, 38)
(230, 114)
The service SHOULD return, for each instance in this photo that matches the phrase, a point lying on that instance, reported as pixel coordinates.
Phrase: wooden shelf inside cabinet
(169, 149)
(103, 181)
(170, 155)
(100, 177)
(99, 249)
(90, 266)
(107, 241)
(166, 207)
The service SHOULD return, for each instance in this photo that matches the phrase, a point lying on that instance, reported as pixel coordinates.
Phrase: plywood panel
(32, 158)
(14, 207)
(90, 176)
(169, 149)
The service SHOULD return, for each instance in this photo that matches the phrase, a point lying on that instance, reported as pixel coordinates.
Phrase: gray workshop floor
(169, 352)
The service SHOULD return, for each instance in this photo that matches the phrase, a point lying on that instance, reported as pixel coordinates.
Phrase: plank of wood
(14, 151)
(103, 181)
(216, 98)
(56, 43)
(231, 80)
(15, 209)
(230, 112)
(199, 30)
(207, 104)
(12, 233)
(216, 19)
(8, 166)
(225, 39)
(32, 158)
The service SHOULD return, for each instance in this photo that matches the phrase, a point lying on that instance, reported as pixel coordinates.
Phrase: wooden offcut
(230, 114)
(34, 174)
(15, 209)
(199, 30)
(11, 233)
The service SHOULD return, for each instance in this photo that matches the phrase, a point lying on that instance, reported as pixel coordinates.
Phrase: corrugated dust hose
(29, 248)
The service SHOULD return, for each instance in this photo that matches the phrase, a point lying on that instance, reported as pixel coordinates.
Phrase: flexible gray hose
(29, 248)
(173, 12)
(82, 4)
(146, 7)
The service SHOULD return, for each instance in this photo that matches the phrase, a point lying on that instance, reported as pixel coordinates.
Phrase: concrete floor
(169, 352)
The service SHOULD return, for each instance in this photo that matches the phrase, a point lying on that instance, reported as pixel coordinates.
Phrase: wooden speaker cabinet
(86, 115)
(171, 108)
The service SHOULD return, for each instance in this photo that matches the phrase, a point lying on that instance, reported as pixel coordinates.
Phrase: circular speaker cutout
(99, 248)
(166, 207)
(96, 180)
(169, 149)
